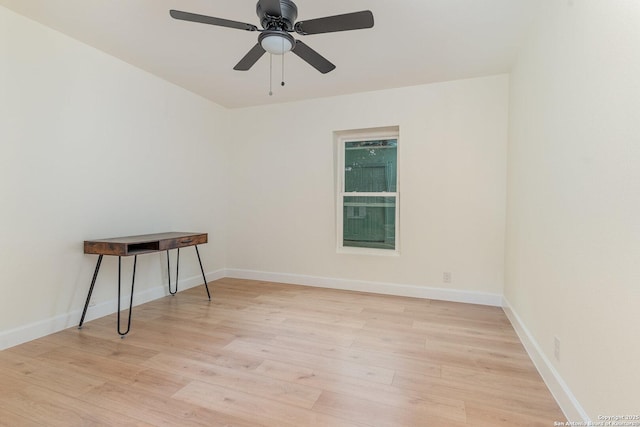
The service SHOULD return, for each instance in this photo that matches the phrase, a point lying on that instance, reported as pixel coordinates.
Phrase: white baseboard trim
(404, 290)
(559, 389)
(57, 323)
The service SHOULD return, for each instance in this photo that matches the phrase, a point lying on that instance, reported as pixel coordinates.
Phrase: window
(368, 191)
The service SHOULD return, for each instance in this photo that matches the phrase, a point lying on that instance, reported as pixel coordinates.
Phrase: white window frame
(341, 138)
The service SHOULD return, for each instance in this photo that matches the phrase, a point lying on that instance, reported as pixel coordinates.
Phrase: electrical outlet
(556, 348)
(446, 277)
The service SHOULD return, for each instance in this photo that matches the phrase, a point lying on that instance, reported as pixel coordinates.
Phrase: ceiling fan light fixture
(276, 42)
(278, 20)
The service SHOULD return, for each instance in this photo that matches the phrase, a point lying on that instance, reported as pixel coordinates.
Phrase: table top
(146, 243)
(146, 237)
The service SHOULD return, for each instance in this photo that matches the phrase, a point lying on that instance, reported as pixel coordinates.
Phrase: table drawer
(181, 242)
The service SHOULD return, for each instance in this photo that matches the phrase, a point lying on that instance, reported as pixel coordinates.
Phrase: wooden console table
(138, 245)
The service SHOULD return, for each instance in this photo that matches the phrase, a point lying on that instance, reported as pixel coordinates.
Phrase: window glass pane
(370, 166)
(369, 222)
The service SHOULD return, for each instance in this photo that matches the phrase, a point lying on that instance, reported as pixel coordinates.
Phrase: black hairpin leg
(177, 271)
(133, 280)
(202, 270)
(93, 282)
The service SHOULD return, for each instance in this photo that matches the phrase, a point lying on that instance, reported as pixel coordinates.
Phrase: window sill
(347, 250)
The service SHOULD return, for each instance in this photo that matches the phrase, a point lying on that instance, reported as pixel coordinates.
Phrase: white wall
(452, 174)
(91, 147)
(573, 235)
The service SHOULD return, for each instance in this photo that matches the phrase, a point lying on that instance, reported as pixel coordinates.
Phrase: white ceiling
(413, 42)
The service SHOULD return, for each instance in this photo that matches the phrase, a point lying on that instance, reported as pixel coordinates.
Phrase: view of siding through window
(369, 219)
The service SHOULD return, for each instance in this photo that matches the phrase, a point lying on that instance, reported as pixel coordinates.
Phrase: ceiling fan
(278, 19)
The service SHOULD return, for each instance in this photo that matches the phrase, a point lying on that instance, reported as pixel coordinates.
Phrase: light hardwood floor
(270, 354)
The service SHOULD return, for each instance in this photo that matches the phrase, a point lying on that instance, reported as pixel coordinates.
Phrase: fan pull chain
(282, 81)
(270, 74)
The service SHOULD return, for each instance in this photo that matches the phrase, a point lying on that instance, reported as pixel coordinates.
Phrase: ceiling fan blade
(250, 58)
(331, 24)
(271, 7)
(203, 19)
(312, 57)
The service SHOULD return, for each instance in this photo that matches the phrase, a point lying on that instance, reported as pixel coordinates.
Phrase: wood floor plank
(503, 381)
(248, 382)
(291, 330)
(48, 375)
(39, 404)
(270, 354)
(157, 409)
(79, 359)
(376, 414)
(427, 403)
(519, 400)
(118, 349)
(371, 373)
(493, 417)
(382, 340)
(259, 410)
(9, 419)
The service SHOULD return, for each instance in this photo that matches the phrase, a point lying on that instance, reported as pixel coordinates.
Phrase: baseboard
(404, 290)
(54, 324)
(570, 406)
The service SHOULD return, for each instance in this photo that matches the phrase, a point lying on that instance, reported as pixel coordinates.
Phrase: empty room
(320, 213)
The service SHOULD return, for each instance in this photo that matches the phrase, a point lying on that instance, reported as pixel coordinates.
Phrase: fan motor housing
(284, 22)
